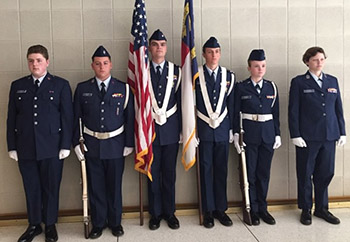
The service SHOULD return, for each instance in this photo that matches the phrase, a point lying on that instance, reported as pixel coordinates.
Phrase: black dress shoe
(255, 218)
(305, 217)
(208, 220)
(117, 230)
(223, 218)
(51, 233)
(154, 223)
(267, 217)
(326, 215)
(30, 233)
(172, 221)
(96, 232)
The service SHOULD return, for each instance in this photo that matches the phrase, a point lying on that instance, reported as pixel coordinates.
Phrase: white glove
(127, 151)
(300, 142)
(341, 141)
(181, 139)
(236, 143)
(231, 136)
(277, 143)
(13, 155)
(197, 141)
(63, 154)
(78, 152)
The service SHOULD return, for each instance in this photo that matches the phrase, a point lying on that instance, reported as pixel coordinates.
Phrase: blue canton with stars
(139, 26)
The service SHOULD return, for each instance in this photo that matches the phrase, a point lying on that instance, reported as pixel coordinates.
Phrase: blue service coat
(169, 132)
(39, 124)
(248, 100)
(104, 115)
(314, 113)
(221, 133)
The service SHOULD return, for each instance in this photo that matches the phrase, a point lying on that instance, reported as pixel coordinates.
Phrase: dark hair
(312, 51)
(38, 49)
(93, 58)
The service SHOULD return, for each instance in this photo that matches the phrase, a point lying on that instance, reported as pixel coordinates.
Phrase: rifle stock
(244, 184)
(84, 184)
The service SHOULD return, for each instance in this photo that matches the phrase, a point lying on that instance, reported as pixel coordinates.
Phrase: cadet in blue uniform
(214, 102)
(105, 106)
(39, 134)
(257, 99)
(166, 104)
(316, 122)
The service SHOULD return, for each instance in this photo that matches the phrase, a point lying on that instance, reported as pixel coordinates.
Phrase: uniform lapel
(325, 82)
(210, 85)
(45, 83)
(164, 72)
(252, 87)
(29, 85)
(95, 88)
(311, 81)
(218, 80)
(163, 78)
(263, 88)
(110, 87)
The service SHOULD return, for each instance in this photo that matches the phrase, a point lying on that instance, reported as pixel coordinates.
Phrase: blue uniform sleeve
(129, 112)
(339, 113)
(276, 114)
(178, 100)
(77, 115)
(66, 109)
(11, 120)
(237, 109)
(293, 109)
(230, 99)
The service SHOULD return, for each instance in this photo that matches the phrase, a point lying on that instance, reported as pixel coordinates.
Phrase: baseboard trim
(72, 216)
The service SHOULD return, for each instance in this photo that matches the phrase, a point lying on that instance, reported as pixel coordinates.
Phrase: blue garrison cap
(257, 55)
(157, 35)
(212, 42)
(101, 52)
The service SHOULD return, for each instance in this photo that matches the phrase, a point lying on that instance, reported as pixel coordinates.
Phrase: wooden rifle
(243, 177)
(84, 183)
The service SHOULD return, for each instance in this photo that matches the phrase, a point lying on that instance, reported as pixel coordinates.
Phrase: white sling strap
(275, 93)
(214, 119)
(160, 115)
(126, 95)
(178, 80)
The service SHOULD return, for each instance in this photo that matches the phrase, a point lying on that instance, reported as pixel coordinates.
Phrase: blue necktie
(321, 82)
(158, 73)
(212, 77)
(258, 89)
(103, 90)
(36, 83)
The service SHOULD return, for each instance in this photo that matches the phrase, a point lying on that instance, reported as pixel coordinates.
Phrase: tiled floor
(287, 228)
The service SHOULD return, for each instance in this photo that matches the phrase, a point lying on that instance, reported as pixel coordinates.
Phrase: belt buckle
(104, 135)
(255, 117)
(160, 117)
(160, 112)
(214, 116)
(213, 123)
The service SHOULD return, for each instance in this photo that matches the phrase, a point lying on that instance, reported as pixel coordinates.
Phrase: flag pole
(138, 79)
(198, 171)
(190, 75)
(141, 198)
(199, 193)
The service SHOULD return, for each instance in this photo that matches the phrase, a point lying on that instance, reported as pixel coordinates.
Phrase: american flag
(138, 79)
(189, 75)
